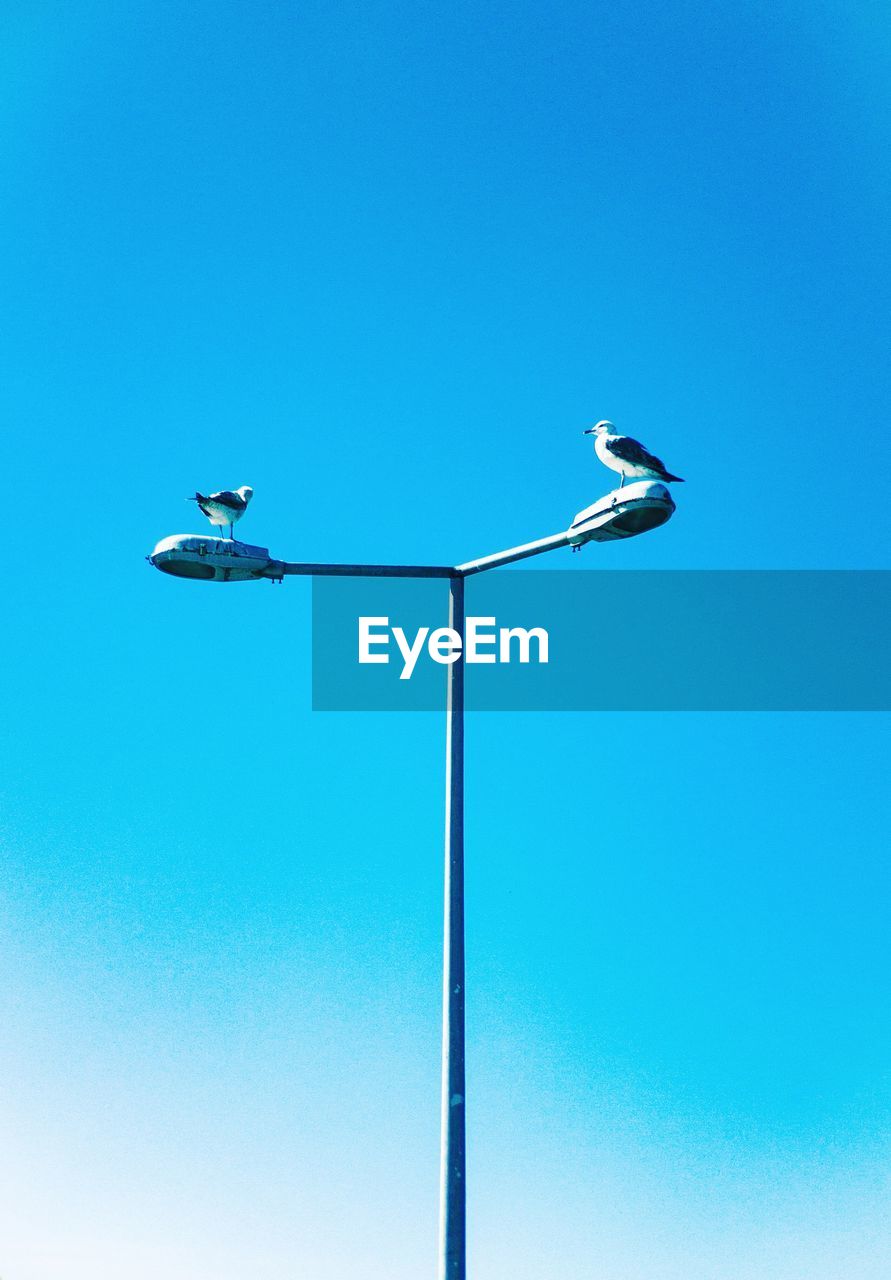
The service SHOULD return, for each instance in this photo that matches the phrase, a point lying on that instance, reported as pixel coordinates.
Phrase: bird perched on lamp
(225, 507)
(627, 456)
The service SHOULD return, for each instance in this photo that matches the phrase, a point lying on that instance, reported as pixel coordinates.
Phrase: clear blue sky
(384, 262)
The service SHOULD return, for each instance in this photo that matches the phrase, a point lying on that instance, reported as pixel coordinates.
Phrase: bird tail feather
(676, 479)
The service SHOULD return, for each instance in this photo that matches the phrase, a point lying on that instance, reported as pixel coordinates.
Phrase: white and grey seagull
(225, 507)
(627, 456)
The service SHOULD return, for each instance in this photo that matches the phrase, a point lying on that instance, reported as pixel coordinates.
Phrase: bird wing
(227, 498)
(628, 450)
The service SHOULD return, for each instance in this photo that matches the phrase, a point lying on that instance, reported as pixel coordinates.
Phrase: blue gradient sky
(384, 264)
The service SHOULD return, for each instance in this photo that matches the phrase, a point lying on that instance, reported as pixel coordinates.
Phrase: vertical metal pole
(452, 1204)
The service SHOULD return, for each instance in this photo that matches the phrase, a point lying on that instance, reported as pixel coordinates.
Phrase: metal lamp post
(623, 513)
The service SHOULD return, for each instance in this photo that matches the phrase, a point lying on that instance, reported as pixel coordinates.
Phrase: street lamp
(633, 509)
(625, 512)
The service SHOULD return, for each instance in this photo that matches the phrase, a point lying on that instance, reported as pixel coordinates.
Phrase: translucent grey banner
(613, 641)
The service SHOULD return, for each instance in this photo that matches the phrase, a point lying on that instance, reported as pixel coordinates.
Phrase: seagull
(627, 456)
(225, 507)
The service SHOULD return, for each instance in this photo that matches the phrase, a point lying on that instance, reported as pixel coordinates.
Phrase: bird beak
(589, 431)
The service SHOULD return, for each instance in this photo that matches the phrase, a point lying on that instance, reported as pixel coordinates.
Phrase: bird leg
(622, 481)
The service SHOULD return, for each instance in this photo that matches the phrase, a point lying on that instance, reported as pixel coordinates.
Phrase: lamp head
(195, 555)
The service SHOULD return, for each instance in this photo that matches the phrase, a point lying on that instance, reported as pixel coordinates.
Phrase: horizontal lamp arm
(284, 568)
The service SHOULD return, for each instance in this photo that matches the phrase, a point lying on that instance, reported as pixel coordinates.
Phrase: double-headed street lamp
(623, 513)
